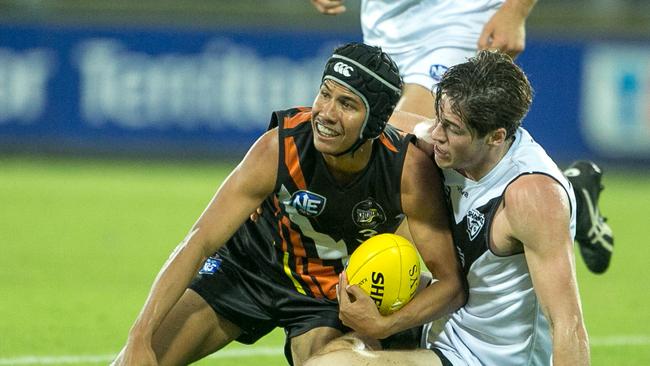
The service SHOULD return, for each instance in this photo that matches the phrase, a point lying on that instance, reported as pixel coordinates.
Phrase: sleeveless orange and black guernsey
(314, 223)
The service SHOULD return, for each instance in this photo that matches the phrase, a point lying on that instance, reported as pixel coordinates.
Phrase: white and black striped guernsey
(502, 322)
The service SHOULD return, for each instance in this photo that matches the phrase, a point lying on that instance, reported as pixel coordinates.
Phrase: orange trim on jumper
(326, 277)
(322, 280)
(306, 278)
(292, 161)
(386, 142)
(276, 212)
(301, 117)
(297, 247)
(294, 239)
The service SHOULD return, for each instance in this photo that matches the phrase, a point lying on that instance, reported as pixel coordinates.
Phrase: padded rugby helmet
(372, 75)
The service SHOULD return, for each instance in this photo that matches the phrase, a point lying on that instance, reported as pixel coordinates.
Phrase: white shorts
(425, 66)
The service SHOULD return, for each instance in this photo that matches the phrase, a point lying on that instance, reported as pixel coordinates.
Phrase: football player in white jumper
(514, 219)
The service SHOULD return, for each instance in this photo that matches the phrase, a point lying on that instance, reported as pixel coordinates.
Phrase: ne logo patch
(307, 203)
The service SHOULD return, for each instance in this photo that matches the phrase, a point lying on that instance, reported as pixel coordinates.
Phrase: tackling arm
(423, 203)
(538, 214)
(406, 121)
(416, 124)
(242, 191)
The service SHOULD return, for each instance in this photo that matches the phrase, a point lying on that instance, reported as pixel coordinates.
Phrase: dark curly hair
(487, 92)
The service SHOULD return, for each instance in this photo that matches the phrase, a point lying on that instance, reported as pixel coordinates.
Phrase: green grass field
(82, 241)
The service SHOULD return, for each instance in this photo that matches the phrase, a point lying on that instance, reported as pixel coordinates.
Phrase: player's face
(337, 118)
(454, 145)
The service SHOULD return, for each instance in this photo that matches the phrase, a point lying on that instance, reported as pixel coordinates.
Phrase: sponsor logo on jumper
(211, 265)
(368, 214)
(475, 221)
(307, 203)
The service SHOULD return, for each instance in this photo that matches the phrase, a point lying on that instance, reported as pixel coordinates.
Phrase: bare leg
(367, 357)
(307, 344)
(351, 341)
(191, 331)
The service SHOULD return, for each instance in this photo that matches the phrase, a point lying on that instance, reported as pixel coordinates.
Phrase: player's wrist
(139, 335)
(520, 7)
(389, 325)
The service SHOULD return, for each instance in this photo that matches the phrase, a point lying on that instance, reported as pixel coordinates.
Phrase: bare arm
(416, 124)
(537, 212)
(423, 204)
(242, 191)
(407, 121)
(506, 30)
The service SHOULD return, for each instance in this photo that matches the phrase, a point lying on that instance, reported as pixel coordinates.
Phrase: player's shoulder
(267, 146)
(416, 158)
(537, 211)
(393, 133)
(533, 185)
(419, 171)
(290, 118)
(534, 194)
(394, 142)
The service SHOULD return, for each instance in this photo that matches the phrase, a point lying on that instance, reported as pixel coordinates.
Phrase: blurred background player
(514, 220)
(425, 38)
(328, 177)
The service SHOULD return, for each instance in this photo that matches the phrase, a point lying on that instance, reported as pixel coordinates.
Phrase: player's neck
(491, 159)
(346, 168)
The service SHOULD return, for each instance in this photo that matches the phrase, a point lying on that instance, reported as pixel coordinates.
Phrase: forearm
(168, 287)
(522, 8)
(433, 302)
(406, 121)
(570, 346)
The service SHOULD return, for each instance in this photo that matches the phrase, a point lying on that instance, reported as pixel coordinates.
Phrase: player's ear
(497, 137)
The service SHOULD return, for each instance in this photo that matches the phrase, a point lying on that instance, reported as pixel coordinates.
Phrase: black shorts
(250, 299)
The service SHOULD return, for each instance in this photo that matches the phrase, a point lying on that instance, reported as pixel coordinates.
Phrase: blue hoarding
(143, 91)
(189, 93)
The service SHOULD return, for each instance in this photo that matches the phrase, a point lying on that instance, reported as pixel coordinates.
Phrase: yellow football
(386, 267)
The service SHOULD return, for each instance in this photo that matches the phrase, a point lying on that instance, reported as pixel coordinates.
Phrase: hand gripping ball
(386, 267)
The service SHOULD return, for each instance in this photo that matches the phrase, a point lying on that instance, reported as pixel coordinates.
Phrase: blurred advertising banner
(616, 90)
(193, 93)
(142, 91)
(592, 98)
